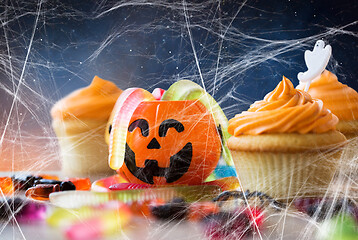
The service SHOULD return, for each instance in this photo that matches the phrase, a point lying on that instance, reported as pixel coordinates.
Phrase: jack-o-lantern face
(171, 142)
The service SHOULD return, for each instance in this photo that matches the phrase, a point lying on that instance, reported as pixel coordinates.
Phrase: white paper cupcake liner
(286, 175)
(83, 153)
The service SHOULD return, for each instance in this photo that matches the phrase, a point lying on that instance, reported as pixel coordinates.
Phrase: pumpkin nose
(154, 144)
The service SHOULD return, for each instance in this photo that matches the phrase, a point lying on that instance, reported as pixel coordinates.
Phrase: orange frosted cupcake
(339, 98)
(286, 145)
(79, 121)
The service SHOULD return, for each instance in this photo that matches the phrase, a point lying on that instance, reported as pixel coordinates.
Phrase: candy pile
(40, 187)
(91, 222)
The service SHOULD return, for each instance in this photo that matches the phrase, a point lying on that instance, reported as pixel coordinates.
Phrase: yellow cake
(286, 145)
(79, 121)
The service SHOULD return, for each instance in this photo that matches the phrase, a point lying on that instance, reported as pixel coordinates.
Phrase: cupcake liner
(349, 167)
(83, 150)
(286, 176)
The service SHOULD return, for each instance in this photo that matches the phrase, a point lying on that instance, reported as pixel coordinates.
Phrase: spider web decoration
(236, 50)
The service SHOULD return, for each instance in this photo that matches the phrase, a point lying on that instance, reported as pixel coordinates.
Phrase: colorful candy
(75, 199)
(47, 176)
(24, 211)
(321, 208)
(31, 211)
(24, 182)
(91, 222)
(6, 186)
(341, 227)
(199, 210)
(128, 186)
(81, 183)
(67, 186)
(42, 191)
(233, 225)
(158, 93)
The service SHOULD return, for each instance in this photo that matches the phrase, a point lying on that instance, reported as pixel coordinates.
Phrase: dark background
(50, 48)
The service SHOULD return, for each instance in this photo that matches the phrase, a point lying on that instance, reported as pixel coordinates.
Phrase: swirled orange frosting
(337, 97)
(93, 102)
(284, 110)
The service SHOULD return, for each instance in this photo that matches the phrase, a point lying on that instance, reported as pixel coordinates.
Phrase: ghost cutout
(316, 62)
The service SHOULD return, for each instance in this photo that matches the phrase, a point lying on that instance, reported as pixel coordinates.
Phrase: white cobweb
(237, 51)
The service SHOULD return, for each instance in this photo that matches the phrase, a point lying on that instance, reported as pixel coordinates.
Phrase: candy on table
(176, 209)
(47, 176)
(91, 221)
(6, 186)
(233, 225)
(128, 186)
(341, 227)
(67, 186)
(31, 211)
(46, 181)
(81, 183)
(102, 185)
(108, 223)
(74, 199)
(24, 182)
(24, 211)
(199, 210)
(42, 191)
(323, 208)
(226, 183)
(143, 208)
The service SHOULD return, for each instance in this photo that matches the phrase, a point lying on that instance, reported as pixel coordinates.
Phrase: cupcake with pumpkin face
(286, 145)
(339, 98)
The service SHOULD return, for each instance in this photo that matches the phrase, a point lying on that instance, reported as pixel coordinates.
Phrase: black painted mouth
(179, 165)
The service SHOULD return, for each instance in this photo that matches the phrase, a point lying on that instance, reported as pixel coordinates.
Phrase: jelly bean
(42, 191)
(81, 183)
(67, 186)
(6, 185)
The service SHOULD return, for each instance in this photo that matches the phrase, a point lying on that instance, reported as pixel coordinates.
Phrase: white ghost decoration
(316, 62)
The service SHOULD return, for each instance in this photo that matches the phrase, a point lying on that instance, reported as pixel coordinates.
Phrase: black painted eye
(110, 128)
(142, 124)
(170, 123)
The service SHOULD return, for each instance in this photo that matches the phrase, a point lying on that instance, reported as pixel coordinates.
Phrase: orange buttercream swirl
(284, 110)
(93, 102)
(339, 98)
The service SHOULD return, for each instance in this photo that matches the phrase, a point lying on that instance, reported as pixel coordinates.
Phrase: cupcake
(339, 98)
(286, 145)
(79, 121)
